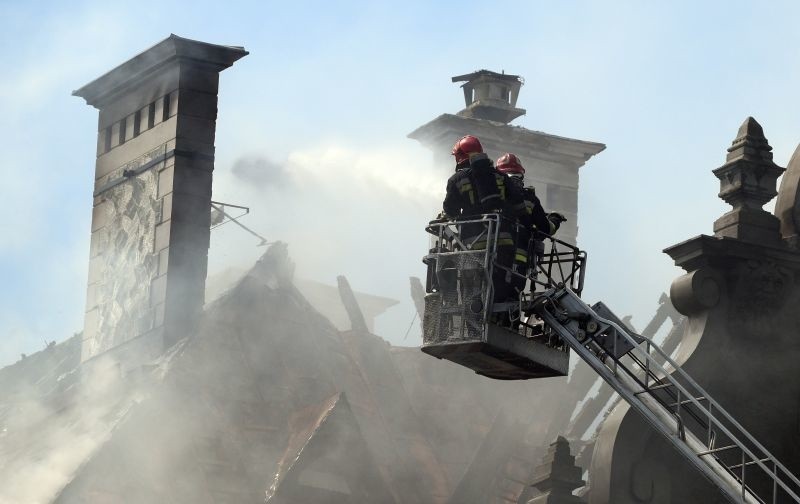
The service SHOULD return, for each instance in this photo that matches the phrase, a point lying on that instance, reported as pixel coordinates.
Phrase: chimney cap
(99, 91)
(490, 95)
(486, 73)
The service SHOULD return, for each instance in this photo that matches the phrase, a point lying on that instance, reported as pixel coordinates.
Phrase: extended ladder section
(669, 400)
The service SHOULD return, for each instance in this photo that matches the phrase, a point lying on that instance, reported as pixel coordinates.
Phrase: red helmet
(510, 165)
(465, 146)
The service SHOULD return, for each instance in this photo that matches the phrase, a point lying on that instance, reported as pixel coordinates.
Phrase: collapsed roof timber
(268, 396)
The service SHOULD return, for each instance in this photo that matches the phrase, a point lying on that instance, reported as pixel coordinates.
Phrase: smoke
(340, 171)
(44, 440)
(369, 175)
(342, 209)
(260, 172)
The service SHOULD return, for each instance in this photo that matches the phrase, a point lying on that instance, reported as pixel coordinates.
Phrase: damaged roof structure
(267, 399)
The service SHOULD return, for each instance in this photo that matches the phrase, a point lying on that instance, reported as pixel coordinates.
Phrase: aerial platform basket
(465, 325)
(503, 355)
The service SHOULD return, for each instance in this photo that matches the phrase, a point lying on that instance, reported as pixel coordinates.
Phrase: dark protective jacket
(461, 202)
(479, 189)
(490, 185)
(531, 218)
(535, 215)
(527, 208)
(461, 198)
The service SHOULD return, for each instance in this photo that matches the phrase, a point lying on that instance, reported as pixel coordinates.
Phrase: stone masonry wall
(152, 194)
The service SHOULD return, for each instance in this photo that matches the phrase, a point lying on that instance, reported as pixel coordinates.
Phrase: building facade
(552, 162)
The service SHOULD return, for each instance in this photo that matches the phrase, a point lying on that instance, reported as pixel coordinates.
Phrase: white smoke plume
(342, 210)
(44, 442)
(387, 172)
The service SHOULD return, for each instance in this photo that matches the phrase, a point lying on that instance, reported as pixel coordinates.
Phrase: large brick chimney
(152, 194)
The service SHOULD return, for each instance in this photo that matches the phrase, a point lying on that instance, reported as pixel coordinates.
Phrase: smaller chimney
(491, 95)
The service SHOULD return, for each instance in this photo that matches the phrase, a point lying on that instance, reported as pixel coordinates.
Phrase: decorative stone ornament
(747, 182)
(557, 476)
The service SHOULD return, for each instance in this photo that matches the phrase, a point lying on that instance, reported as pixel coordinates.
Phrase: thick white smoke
(343, 210)
(45, 443)
(394, 173)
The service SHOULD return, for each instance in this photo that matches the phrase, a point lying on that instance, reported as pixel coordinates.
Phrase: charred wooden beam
(357, 321)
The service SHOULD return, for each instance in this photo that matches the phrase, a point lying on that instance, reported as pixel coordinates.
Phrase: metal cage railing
(463, 270)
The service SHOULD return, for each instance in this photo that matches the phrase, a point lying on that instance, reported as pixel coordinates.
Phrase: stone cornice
(133, 72)
(704, 250)
(446, 125)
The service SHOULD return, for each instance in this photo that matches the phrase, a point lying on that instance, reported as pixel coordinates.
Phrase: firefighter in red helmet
(531, 217)
(461, 197)
(510, 165)
(463, 148)
(477, 188)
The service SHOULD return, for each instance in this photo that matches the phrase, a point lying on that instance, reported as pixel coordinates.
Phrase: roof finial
(747, 182)
(558, 475)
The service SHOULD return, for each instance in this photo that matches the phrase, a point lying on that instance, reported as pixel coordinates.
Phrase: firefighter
(475, 189)
(461, 198)
(532, 220)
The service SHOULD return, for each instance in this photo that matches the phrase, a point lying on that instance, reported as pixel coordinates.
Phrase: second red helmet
(465, 146)
(510, 165)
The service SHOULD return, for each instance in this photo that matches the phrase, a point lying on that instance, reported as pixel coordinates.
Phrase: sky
(312, 128)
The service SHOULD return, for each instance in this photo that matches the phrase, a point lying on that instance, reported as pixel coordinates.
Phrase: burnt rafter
(357, 321)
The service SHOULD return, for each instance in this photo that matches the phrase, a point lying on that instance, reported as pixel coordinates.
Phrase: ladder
(674, 404)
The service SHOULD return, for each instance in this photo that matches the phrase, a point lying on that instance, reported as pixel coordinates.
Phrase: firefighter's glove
(555, 219)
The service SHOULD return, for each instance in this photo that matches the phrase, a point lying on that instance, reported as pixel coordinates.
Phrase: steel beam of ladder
(631, 367)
